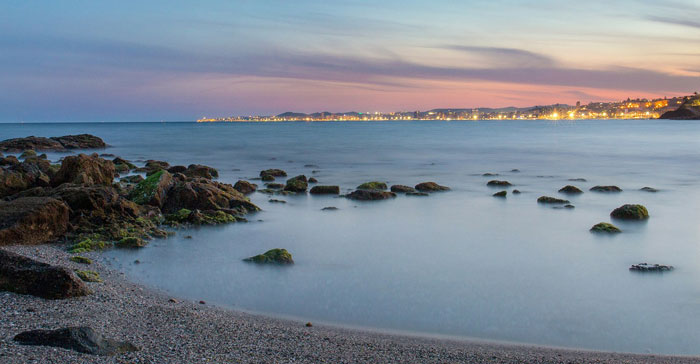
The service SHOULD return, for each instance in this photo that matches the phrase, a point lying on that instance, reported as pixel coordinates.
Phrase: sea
(460, 263)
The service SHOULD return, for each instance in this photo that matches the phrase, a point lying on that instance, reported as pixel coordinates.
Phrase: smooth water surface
(458, 263)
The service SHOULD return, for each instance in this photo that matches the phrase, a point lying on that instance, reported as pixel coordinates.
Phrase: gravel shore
(189, 332)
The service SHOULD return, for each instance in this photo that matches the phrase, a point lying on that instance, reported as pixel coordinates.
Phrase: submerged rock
(648, 189)
(630, 212)
(497, 183)
(374, 185)
(88, 276)
(604, 227)
(273, 256)
(131, 242)
(27, 276)
(297, 184)
(571, 190)
(273, 173)
(402, 189)
(577, 180)
(267, 178)
(245, 187)
(551, 200)
(430, 187)
(646, 267)
(489, 174)
(313, 180)
(500, 194)
(606, 189)
(325, 190)
(274, 186)
(276, 201)
(423, 194)
(84, 169)
(32, 220)
(370, 195)
(329, 208)
(80, 339)
(516, 192)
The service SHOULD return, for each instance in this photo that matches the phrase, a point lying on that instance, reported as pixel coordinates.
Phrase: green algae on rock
(152, 190)
(604, 227)
(80, 259)
(630, 212)
(131, 242)
(374, 185)
(551, 200)
(272, 256)
(430, 187)
(88, 276)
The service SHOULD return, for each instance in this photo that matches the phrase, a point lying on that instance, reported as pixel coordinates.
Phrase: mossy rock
(374, 185)
(497, 183)
(551, 200)
(274, 186)
(81, 260)
(604, 227)
(325, 190)
(630, 212)
(402, 189)
(152, 189)
(88, 275)
(27, 154)
(273, 256)
(571, 190)
(87, 245)
(500, 194)
(180, 216)
(273, 172)
(131, 242)
(430, 187)
(267, 178)
(297, 184)
(606, 189)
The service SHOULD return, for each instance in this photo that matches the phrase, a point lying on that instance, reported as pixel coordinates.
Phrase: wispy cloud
(513, 56)
(676, 21)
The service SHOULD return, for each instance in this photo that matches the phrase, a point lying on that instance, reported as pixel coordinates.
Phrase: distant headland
(679, 107)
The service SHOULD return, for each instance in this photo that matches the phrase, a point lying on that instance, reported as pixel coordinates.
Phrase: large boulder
(80, 339)
(80, 141)
(630, 212)
(32, 172)
(245, 187)
(32, 220)
(85, 169)
(431, 187)
(370, 195)
(204, 194)
(152, 190)
(26, 276)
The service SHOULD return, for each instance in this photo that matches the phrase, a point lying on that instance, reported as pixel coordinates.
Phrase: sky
(181, 60)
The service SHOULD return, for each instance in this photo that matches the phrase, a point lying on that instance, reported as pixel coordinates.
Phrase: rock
(177, 169)
(27, 154)
(313, 180)
(267, 178)
(88, 276)
(198, 170)
(80, 141)
(204, 194)
(604, 227)
(496, 183)
(276, 201)
(515, 170)
(571, 190)
(133, 179)
(10, 160)
(32, 172)
(630, 212)
(489, 174)
(311, 166)
(131, 242)
(80, 260)
(297, 184)
(689, 110)
(122, 165)
(329, 208)
(273, 173)
(325, 190)
(430, 187)
(420, 194)
(274, 186)
(402, 189)
(516, 192)
(84, 169)
(577, 179)
(153, 189)
(245, 187)
(551, 200)
(197, 217)
(32, 220)
(202, 302)
(309, 324)
(370, 195)
(374, 185)
(646, 267)
(32, 142)
(274, 256)
(80, 339)
(649, 189)
(500, 194)
(27, 276)
(606, 189)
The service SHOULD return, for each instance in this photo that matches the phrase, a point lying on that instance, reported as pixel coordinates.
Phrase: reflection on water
(460, 262)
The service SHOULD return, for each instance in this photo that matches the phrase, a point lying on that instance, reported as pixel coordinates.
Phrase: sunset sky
(180, 60)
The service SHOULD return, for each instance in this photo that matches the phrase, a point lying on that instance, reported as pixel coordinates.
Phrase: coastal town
(640, 108)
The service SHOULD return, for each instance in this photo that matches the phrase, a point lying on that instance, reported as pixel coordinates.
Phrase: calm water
(457, 263)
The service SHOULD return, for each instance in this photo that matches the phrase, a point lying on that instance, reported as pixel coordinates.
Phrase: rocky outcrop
(604, 227)
(152, 190)
(32, 172)
(245, 187)
(80, 339)
(325, 190)
(689, 110)
(370, 195)
(431, 187)
(630, 212)
(85, 169)
(570, 190)
(551, 200)
(32, 220)
(26, 276)
(402, 189)
(82, 141)
(606, 189)
(273, 256)
(204, 194)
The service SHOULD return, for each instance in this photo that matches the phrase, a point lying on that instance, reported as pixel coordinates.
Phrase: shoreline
(186, 331)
